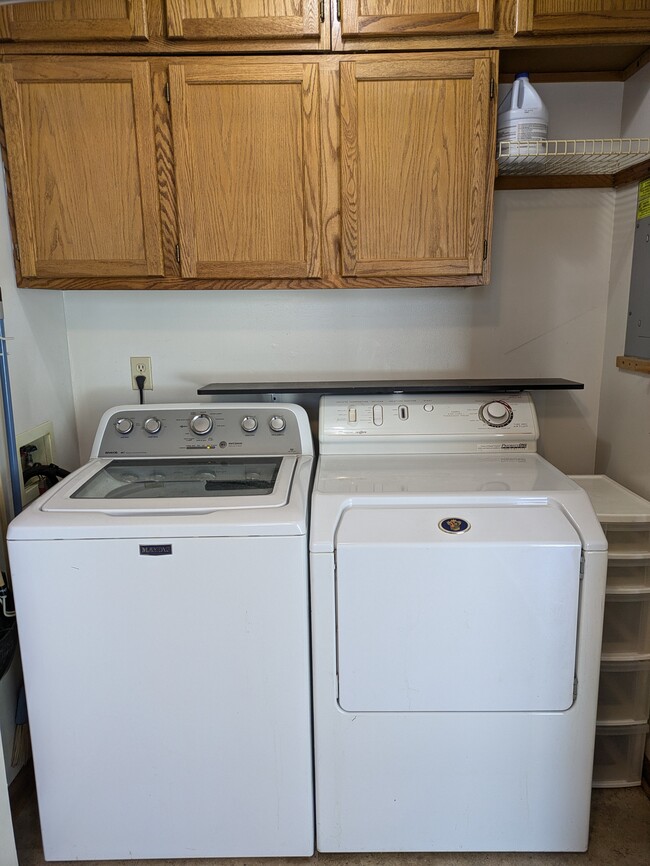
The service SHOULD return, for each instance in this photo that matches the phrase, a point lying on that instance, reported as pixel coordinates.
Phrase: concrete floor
(620, 834)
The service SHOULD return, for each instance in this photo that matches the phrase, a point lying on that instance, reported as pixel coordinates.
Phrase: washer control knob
(277, 423)
(496, 413)
(124, 426)
(249, 424)
(201, 424)
(152, 425)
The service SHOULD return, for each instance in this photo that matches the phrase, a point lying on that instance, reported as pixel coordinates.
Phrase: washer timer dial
(496, 413)
(201, 424)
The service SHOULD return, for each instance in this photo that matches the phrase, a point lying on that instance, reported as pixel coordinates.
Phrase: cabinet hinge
(17, 252)
(485, 249)
(338, 10)
(322, 10)
(582, 566)
(178, 254)
(167, 93)
(491, 88)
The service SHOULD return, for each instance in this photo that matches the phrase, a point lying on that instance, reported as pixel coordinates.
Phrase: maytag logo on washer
(454, 525)
(155, 550)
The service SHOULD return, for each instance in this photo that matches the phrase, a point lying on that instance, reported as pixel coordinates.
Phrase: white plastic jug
(522, 115)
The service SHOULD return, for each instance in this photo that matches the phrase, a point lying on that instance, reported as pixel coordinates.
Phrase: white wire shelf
(571, 156)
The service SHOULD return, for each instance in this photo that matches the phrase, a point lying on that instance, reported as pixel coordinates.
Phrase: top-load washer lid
(165, 479)
(206, 484)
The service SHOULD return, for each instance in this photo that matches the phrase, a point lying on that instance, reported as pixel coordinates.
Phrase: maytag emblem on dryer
(155, 550)
(454, 525)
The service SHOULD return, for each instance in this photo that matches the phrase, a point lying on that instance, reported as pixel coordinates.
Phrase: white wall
(37, 353)
(623, 450)
(542, 315)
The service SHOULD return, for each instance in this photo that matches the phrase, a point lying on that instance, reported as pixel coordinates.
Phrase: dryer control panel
(427, 423)
(201, 430)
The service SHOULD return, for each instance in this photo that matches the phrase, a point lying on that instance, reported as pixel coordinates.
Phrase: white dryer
(162, 601)
(457, 597)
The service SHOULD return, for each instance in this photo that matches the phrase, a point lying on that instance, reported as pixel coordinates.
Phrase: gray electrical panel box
(637, 338)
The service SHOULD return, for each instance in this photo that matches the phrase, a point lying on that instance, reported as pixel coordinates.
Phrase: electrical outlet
(141, 367)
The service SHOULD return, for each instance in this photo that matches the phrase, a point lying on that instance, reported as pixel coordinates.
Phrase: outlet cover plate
(141, 365)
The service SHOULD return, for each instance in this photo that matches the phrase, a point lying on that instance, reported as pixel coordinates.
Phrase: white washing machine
(163, 610)
(457, 598)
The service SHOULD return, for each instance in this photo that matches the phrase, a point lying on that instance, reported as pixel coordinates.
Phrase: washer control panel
(165, 431)
(427, 423)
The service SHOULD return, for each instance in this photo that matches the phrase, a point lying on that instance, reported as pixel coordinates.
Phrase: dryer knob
(496, 413)
(124, 426)
(152, 425)
(277, 423)
(201, 424)
(249, 424)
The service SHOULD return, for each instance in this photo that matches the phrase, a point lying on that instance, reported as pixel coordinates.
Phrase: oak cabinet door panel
(254, 19)
(415, 166)
(581, 16)
(413, 17)
(247, 152)
(80, 147)
(65, 21)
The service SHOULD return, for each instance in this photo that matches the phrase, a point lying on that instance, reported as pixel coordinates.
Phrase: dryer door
(463, 609)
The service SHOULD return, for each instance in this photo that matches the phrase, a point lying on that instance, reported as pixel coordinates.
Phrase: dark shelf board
(394, 386)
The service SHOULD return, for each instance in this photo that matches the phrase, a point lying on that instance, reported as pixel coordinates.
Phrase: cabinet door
(413, 17)
(416, 165)
(247, 152)
(581, 16)
(254, 19)
(81, 156)
(61, 20)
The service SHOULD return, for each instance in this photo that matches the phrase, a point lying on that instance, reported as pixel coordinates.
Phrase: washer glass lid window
(182, 478)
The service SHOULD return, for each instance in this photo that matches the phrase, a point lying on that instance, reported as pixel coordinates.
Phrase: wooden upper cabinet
(247, 152)
(549, 17)
(65, 21)
(82, 166)
(415, 17)
(417, 165)
(251, 19)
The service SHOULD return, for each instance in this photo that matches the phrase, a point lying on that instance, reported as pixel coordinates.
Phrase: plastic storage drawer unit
(624, 693)
(627, 541)
(618, 756)
(628, 575)
(626, 627)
